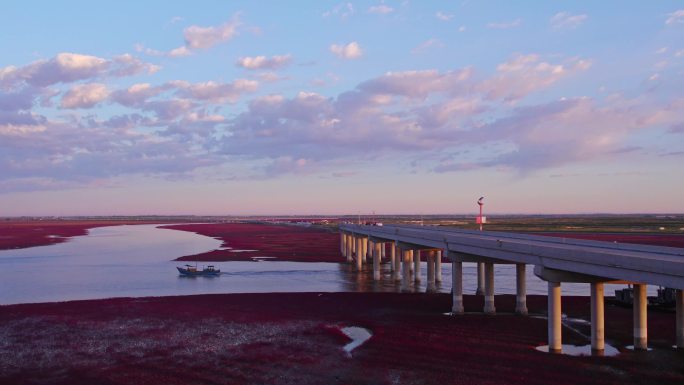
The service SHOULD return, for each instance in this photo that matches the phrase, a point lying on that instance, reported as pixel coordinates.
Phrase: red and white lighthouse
(481, 219)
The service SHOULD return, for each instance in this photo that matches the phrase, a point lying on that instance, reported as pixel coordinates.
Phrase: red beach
(296, 338)
(282, 242)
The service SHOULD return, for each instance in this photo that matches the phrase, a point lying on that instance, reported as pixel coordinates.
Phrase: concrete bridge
(555, 260)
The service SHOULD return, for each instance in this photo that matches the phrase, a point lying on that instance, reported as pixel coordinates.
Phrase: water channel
(137, 261)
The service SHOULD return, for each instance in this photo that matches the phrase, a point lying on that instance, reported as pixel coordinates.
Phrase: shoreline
(249, 240)
(26, 234)
(295, 338)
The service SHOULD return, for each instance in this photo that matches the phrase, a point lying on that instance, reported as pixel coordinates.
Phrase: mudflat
(297, 339)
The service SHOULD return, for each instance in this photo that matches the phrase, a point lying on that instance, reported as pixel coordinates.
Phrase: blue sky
(341, 107)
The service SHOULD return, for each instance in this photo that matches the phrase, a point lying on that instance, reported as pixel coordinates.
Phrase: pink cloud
(84, 96)
(262, 62)
(349, 51)
(216, 92)
(525, 74)
(71, 67)
(197, 37)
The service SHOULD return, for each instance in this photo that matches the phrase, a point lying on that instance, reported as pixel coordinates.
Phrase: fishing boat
(193, 271)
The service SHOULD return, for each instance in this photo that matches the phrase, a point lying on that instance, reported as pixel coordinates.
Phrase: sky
(327, 107)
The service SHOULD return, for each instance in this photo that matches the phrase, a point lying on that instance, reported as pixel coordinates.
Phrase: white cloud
(418, 84)
(84, 96)
(426, 45)
(349, 51)
(70, 67)
(262, 62)
(342, 10)
(197, 37)
(505, 25)
(462, 28)
(444, 16)
(524, 74)
(137, 94)
(179, 52)
(676, 17)
(216, 92)
(380, 9)
(563, 20)
(270, 77)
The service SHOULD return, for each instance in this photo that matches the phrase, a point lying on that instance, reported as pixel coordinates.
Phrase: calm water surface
(136, 261)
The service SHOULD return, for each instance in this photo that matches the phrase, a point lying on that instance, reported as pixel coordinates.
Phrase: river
(137, 261)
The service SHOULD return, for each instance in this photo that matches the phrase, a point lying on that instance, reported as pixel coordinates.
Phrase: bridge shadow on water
(355, 281)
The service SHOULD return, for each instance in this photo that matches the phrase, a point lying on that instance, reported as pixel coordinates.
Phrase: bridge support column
(353, 243)
(348, 249)
(343, 243)
(520, 290)
(393, 255)
(416, 265)
(431, 268)
(554, 316)
(371, 248)
(376, 261)
(438, 266)
(679, 299)
(597, 325)
(411, 256)
(480, 279)
(359, 252)
(364, 249)
(640, 325)
(406, 269)
(456, 287)
(397, 262)
(489, 288)
(383, 250)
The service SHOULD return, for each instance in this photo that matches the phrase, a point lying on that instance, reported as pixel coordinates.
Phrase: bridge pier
(430, 271)
(393, 255)
(438, 265)
(406, 269)
(431, 268)
(554, 317)
(376, 261)
(343, 243)
(397, 262)
(456, 287)
(680, 318)
(364, 249)
(640, 325)
(489, 288)
(359, 252)
(416, 265)
(411, 256)
(480, 279)
(597, 321)
(520, 289)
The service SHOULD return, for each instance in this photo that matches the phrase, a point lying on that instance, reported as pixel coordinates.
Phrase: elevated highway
(555, 260)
